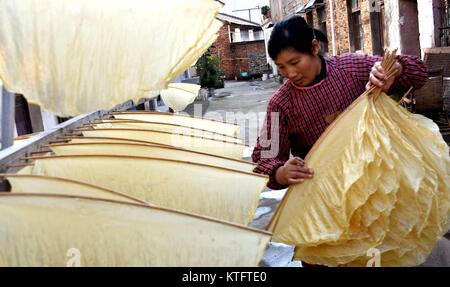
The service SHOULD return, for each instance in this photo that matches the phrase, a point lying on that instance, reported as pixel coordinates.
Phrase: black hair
(294, 33)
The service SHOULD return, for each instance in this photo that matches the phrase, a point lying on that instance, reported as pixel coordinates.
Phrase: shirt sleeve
(414, 72)
(359, 66)
(272, 146)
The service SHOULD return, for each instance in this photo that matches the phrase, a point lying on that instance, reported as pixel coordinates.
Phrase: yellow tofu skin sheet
(381, 181)
(78, 56)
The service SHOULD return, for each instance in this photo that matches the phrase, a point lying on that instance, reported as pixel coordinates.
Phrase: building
(240, 48)
(416, 27)
(369, 26)
(351, 25)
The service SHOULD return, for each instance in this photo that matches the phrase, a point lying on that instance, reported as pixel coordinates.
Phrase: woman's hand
(293, 171)
(379, 78)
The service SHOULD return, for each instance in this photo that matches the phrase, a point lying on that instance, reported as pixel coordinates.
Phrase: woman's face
(300, 68)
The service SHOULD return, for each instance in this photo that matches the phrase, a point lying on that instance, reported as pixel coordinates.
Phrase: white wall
(392, 24)
(267, 33)
(426, 24)
(48, 119)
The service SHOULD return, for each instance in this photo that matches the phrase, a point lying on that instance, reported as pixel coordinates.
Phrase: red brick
(234, 57)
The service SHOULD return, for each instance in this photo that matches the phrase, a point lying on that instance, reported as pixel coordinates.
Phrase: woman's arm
(272, 147)
(364, 68)
(272, 152)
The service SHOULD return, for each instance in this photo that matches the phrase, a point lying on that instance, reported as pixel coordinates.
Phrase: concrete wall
(284, 8)
(426, 23)
(276, 10)
(429, 23)
(290, 6)
(392, 24)
(49, 119)
(271, 63)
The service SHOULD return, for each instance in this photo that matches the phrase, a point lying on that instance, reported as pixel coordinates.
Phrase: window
(259, 35)
(355, 5)
(355, 29)
(356, 24)
(245, 36)
(236, 35)
(251, 35)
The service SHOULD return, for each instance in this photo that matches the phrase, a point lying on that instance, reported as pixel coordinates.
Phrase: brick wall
(341, 27)
(316, 19)
(365, 22)
(341, 24)
(221, 48)
(257, 58)
(248, 57)
(340, 17)
(239, 57)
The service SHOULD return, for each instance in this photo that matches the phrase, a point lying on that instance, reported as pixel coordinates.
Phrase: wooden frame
(11, 156)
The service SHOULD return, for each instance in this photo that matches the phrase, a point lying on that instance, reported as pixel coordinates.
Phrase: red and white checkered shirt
(301, 112)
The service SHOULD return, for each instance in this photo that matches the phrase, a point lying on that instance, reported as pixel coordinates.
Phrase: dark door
(22, 116)
(409, 27)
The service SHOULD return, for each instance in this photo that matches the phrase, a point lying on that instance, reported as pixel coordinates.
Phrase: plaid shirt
(300, 115)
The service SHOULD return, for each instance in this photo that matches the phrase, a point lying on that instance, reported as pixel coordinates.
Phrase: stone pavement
(243, 103)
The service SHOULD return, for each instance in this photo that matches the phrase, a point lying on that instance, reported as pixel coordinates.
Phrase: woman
(316, 91)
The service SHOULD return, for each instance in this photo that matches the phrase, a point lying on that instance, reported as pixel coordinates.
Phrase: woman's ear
(315, 47)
